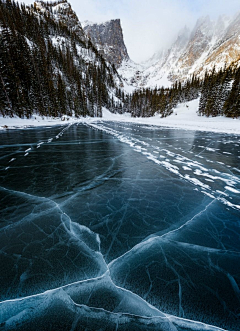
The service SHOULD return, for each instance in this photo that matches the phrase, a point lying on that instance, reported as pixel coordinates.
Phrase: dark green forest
(41, 76)
(219, 94)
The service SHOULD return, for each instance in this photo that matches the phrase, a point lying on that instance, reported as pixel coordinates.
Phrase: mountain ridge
(51, 67)
(210, 44)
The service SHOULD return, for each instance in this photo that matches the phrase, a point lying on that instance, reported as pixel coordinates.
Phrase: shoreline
(184, 117)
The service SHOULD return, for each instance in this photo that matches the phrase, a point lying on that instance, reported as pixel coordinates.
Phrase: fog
(150, 25)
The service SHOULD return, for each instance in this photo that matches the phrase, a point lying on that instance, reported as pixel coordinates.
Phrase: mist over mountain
(53, 65)
(210, 44)
(127, 221)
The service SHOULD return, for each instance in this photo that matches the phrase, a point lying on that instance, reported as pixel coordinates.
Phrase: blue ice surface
(119, 226)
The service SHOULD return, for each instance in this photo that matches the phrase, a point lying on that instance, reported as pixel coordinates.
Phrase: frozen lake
(152, 210)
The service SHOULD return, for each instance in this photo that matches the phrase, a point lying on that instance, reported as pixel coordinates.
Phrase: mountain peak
(90, 23)
(108, 37)
(210, 43)
(204, 26)
(57, 5)
(62, 11)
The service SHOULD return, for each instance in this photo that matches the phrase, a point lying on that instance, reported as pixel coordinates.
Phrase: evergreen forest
(49, 67)
(41, 76)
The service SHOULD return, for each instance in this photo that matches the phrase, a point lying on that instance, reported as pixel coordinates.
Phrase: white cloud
(149, 25)
(154, 26)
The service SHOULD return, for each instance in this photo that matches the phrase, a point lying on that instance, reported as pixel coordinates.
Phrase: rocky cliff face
(108, 38)
(210, 44)
(201, 52)
(227, 49)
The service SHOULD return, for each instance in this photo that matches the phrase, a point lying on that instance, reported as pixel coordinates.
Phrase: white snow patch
(232, 189)
(197, 182)
(229, 204)
(29, 42)
(222, 193)
(186, 168)
(186, 119)
(208, 194)
(210, 149)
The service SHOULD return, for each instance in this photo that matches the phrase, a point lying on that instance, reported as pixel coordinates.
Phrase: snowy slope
(184, 117)
(209, 44)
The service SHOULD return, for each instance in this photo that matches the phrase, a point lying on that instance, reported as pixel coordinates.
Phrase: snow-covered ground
(184, 117)
(36, 120)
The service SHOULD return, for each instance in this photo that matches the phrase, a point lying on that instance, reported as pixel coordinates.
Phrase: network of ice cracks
(90, 298)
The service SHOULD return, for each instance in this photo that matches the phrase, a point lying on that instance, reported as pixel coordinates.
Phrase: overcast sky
(149, 25)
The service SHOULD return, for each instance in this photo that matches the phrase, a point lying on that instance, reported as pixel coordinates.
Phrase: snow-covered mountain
(156, 70)
(49, 66)
(62, 12)
(108, 38)
(210, 44)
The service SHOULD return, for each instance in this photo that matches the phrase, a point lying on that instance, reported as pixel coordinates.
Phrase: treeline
(219, 95)
(39, 75)
(48, 66)
(147, 102)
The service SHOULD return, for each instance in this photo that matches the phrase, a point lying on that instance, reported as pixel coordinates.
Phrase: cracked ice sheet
(45, 249)
(101, 180)
(184, 280)
(210, 226)
(84, 305)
